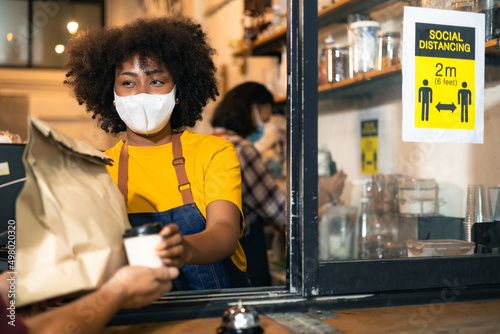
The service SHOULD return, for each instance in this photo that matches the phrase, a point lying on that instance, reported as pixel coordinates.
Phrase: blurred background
(34, 35)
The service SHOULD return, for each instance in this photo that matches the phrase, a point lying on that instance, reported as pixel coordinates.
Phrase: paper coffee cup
(140, 245)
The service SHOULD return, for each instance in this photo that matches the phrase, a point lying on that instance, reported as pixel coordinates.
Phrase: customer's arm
(129, 287)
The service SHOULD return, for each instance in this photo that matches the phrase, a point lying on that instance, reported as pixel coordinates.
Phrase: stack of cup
(478, 209)
(495, 202)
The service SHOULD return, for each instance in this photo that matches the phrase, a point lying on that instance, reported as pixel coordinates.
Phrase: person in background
(129, 287)
(270, 140)
(239, 118)
(152, 78)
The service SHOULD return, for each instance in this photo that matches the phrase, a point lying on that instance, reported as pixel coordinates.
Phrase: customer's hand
(5, 285)
(171, 249)
(138, 286)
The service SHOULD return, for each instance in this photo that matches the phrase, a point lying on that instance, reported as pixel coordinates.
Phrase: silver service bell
(240, 319)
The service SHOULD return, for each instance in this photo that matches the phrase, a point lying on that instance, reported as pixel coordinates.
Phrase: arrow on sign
(441, 106)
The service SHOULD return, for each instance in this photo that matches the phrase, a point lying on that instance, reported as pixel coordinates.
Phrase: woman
(152, 78)
(238, 119)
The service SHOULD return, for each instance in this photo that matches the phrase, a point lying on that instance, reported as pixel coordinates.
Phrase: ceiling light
(72, 27)
(59, 48)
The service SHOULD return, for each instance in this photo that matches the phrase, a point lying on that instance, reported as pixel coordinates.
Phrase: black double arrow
(440, 106)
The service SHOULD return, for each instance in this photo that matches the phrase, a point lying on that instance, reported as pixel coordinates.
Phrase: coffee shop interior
(414, 233)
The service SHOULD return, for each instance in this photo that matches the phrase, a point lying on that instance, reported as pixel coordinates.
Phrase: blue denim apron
(223, 274)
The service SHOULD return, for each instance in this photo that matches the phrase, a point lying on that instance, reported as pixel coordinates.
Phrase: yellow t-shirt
(212, 168)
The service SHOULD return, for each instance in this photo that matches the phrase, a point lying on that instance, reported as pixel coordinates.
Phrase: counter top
(481, 317)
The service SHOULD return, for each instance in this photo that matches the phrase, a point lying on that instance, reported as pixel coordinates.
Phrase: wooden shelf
(336, 6)
(266, 42)
(396, 69)
(492, 46)
(337, 12)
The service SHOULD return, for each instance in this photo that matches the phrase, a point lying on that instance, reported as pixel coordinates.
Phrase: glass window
(14, 37)
(53, 24)
(407, 208)
(36, 33)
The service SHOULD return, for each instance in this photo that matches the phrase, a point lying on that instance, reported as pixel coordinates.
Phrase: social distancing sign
(369, 147)
(443, 76)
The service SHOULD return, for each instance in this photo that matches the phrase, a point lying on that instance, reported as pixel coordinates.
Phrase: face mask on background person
(259, 132)
(145, 113)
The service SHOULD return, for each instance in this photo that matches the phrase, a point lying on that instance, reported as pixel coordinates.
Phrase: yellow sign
(369, 147)
(444, 77)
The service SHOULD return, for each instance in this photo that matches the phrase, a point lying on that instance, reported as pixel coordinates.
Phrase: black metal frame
(315, 278)
(328, 285)
(293, 150)
(394, 275)
(305, 104)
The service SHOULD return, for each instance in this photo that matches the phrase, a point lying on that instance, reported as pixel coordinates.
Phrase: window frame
(335, 284)
(336, 278)
(30, 28)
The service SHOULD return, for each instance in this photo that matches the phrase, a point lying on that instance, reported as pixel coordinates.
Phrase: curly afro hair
(178, 42)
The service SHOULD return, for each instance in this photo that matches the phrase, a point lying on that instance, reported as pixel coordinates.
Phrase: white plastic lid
(365, 24)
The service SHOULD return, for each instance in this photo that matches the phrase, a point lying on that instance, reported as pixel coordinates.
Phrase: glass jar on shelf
(381, 188)
(417, 197)
(363, 45)
(465, 5)
(333, 62)
(375, 233)
(389, 49)
(337, 232)
(436, 4)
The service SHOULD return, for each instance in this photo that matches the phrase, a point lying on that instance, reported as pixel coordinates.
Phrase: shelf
(492, 46)
(334, 7)
(362, 85)
(335, 13)
(361, 77)
(338, 11)
(262, 46)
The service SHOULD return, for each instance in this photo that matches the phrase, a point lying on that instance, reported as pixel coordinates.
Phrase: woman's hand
(218, 241)
(171, 249)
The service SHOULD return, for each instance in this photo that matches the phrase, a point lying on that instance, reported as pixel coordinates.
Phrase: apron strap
(178, 163)
(180, 170)
(123, 171)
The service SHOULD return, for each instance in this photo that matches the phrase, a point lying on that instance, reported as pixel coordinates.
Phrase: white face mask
(145, 113)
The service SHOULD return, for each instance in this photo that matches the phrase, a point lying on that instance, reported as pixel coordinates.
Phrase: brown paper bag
(70, 218)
